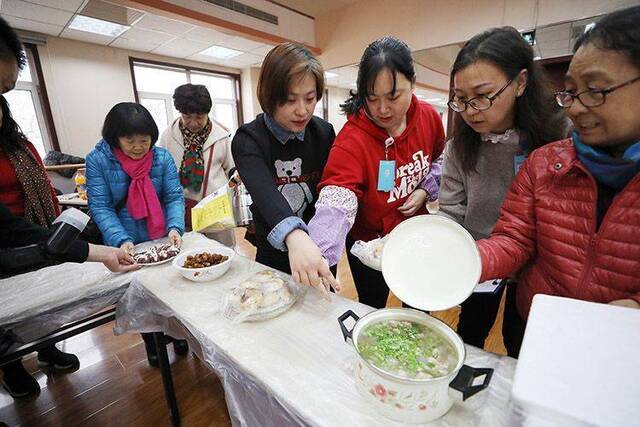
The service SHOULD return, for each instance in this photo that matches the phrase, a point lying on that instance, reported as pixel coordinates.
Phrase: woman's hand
(625, 303)
(415, 201)
(174, 238)
(117, 260)
(307, 264)
(128, 247)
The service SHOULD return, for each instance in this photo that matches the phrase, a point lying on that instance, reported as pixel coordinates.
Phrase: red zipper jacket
(548, 228)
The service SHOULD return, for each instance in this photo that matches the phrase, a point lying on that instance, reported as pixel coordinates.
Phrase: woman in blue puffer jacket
(134, 189)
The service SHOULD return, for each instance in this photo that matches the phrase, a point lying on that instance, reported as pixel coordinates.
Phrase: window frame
(325, 105)
(237, 105)
(38, 90)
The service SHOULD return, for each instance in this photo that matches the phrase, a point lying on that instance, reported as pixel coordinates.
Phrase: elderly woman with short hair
(200, 147)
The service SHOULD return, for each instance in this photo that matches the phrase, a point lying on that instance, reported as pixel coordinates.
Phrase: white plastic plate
(431, 263)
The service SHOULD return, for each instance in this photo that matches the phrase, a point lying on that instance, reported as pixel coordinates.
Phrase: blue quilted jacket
(108, 183)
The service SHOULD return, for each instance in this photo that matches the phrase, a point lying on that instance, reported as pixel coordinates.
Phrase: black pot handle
(463, 382)
(346, 333)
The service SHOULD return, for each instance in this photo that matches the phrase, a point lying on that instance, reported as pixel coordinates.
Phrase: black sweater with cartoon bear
(281, 178)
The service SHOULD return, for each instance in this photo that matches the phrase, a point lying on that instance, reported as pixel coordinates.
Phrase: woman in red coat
(571, 219)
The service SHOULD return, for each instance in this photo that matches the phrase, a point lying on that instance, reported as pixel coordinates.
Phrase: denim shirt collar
(281, 134)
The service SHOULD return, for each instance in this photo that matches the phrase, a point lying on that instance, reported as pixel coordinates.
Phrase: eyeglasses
(479, 103)
(589, 97)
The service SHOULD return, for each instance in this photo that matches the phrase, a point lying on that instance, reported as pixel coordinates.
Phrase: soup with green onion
(407, 349)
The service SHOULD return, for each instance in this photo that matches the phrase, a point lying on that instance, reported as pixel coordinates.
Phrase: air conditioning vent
(31, 38)
(242, 8)
(111, 12)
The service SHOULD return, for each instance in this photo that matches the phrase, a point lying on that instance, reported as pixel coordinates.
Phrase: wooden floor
(116, 387)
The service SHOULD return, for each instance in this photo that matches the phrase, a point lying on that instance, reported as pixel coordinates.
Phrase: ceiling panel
(240, 43)
(180, 48)
(229, 63)
(142, 46)
(208, 59)
(262, 50)
(233, 64)
(247, 59)
(35, 12)
(87, 37)
(28, 25)
(165, 25)
(68, 5)
(206, 35)
(146, 36)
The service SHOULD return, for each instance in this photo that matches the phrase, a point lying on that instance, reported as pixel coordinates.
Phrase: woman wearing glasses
(503, 111)
(571, 219)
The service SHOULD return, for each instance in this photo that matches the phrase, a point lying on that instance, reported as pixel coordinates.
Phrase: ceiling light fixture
(97, 26)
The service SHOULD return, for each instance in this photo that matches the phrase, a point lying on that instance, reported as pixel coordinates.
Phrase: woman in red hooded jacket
(383, 167)
(571, 219)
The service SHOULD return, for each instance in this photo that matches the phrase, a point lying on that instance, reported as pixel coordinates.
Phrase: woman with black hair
(27, 207)
(200, 147)
(25, 190)
(504, 109)
(382, 168)
(127, 168)
(570, 222)
(134, 190)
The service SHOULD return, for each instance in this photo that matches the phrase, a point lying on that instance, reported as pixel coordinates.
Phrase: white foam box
(579, 365)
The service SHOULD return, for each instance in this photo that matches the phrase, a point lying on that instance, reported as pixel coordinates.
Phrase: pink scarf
(142, 201)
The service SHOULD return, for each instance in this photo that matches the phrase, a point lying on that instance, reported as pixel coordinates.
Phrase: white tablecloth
(37, 303)
(292, 370)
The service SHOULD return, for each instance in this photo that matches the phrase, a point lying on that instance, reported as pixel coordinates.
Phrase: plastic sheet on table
(294, 369)
(39, 302)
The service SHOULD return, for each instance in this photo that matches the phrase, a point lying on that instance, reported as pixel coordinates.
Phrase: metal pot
(412, 400)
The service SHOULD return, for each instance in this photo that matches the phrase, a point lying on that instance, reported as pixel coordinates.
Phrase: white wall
(343, 35)
(337, 96)
(84, 81)
(250, 104)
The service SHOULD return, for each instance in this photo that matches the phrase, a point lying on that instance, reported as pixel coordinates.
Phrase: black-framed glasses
(479, 103)
(589, 97)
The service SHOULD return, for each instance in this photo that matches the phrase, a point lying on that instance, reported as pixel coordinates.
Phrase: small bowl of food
(204, 264)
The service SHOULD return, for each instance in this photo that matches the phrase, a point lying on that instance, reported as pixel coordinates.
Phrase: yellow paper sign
(213, 213)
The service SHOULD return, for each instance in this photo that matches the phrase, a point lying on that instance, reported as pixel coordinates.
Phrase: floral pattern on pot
(414, 400)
